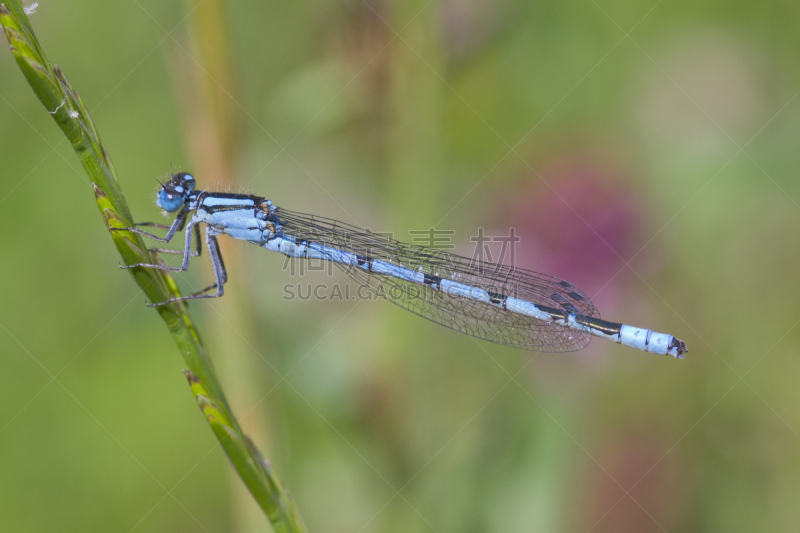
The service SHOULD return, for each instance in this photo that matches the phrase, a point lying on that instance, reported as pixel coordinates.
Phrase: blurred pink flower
(579, 223)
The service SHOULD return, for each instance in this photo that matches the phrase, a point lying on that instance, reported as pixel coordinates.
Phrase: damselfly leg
(177, 225)
(187, 250)
(220, 273)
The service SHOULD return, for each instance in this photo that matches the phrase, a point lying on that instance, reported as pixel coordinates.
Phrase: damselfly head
(173, 194)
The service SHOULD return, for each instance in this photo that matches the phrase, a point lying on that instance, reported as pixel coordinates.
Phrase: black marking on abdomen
(609, 328)
(433, 281)
(364, 259)
(565, 284)
(497, 298)
(558, 298)
(678, 345)
(576, 296)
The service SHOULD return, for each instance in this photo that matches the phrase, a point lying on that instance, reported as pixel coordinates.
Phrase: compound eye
(169, 202)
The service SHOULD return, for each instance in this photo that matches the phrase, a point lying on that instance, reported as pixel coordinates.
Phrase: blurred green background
(647, 152)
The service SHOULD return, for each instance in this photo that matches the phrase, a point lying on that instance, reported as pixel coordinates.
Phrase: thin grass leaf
(64, 104)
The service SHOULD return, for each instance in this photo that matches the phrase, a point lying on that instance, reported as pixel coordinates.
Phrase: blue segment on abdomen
(455, 288)
(527, 308)
(388, 269)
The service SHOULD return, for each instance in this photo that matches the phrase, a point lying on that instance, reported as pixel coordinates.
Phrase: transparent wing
(483, 320)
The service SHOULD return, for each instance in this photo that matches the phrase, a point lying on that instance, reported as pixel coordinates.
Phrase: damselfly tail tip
(677, 348)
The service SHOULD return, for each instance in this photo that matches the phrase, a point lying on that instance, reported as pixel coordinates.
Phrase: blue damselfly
(494, 302)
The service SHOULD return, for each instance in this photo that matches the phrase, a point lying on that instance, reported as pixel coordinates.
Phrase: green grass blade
(67, 109)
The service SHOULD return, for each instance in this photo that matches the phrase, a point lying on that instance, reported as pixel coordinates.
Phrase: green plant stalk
(65, 106)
